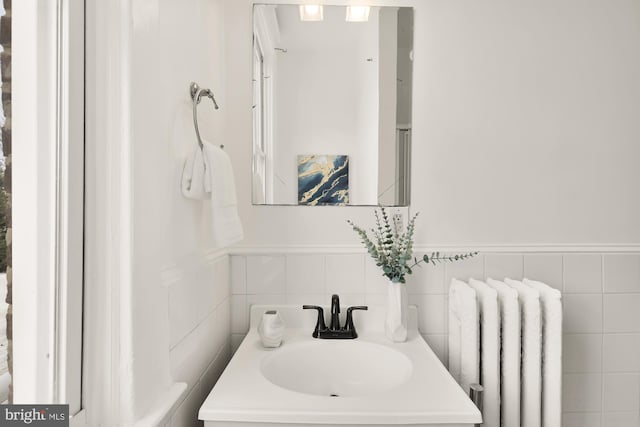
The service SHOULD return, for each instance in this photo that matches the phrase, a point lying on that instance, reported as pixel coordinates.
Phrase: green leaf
(392, 249)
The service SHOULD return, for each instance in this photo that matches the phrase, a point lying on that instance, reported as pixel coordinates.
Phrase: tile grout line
(562, 269)
(562, 293)
(602, 343)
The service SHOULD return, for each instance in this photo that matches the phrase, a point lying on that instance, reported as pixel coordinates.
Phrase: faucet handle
(320, 325)
(349, 323)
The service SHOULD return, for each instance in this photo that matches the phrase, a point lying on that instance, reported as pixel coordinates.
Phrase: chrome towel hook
(197, 93)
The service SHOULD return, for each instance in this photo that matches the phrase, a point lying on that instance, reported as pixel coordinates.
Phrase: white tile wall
(305, 274)
(464, 270)
(186, 415)
(499, 266)
(211, 295)
(236, 340)
(200, 332)
(432, 308)
(621, 353)
(582, 313)
(238, 275)
(439, 345)
(622, 273)
(183, 297)
(621, 392)
(345, 274)
(265, 299)
(376, 299)
(427, 279)
(622, 312)
(266, 275)
(582, 273)
(601, 296)
(374, 281)
(581, 419)
(239, 314)
(544, 267)
(582, 353)
(620, 419)
(582, 392)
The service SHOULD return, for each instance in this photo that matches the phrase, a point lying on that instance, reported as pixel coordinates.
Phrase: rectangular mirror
(332, 92)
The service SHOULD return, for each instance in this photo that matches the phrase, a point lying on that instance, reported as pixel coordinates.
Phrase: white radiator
(507, 336)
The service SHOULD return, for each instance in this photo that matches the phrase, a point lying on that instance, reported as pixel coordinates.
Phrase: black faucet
(320, 325)
(334, 331)
(335, 313)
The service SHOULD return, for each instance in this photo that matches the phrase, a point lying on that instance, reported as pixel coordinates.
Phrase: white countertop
(429, 396)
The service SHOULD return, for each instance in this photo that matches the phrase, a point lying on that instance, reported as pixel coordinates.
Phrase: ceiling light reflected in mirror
(357, 13)
(311, 12)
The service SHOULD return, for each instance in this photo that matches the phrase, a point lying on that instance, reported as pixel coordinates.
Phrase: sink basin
(376, 382)
(337, 368)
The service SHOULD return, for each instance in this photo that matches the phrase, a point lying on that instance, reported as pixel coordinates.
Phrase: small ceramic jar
(271, 329)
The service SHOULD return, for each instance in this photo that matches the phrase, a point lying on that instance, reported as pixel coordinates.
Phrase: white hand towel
(227, 228)
(551, 300)
(464, 363)
(194, 176)
(531, 391)
(489, 351)
(510, 363)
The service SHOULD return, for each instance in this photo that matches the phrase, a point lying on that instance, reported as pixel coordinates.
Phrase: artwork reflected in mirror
(332, 79)
(323, 180)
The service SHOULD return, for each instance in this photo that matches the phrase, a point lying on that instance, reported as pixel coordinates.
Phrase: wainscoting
(199, 332)
(601, 296)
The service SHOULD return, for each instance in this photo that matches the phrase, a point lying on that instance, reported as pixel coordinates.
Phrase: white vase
(271, 329)
(395, 324)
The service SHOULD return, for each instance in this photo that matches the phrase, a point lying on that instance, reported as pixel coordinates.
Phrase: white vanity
(364, 381)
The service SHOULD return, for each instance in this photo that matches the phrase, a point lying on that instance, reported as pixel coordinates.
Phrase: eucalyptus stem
(392, 248)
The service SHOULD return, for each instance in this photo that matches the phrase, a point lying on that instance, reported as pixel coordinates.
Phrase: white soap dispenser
(271, 329)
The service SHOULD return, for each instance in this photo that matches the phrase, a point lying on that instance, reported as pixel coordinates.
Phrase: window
(5, 206)
(48, 201)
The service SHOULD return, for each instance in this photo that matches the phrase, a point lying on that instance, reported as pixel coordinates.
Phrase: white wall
(524, 134)
(524, 127)
(176, 318)
(525, 123)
